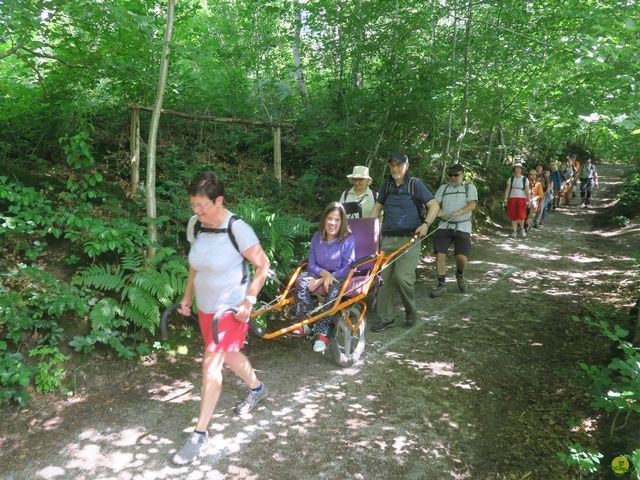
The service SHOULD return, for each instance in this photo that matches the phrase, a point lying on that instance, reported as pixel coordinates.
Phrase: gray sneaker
(462, 282)
(253, 398)
(191, 449)
(439, 290)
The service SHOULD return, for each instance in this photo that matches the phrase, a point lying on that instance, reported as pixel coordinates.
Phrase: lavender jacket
(334, 257)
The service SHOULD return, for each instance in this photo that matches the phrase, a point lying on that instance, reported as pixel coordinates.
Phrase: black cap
(455, 168)
(399, 157)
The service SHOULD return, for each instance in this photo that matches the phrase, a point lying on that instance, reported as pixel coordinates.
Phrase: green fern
(103, 277)
(144, 320)
(134, 295)
(154, 282)
(132, 262)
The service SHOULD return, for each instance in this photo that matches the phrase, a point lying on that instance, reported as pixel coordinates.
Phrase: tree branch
(10, 52)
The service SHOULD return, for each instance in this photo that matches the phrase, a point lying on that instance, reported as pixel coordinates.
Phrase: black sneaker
(380, 326)
(439, 290)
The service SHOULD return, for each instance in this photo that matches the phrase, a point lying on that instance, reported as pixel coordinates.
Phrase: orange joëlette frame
(286, 297)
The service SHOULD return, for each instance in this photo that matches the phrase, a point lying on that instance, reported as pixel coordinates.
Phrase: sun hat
(360, 172)
(533, 172)
(517, 164)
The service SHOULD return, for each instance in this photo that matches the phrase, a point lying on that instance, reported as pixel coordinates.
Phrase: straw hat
(360, 172)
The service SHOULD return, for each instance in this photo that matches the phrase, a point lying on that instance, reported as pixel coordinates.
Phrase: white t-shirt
(218, 265)
(517, 187)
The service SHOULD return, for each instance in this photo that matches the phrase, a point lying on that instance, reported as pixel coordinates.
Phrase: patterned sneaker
(462, 282)
(253, 398)
(439, 290)
(191, 449)
(320, 345)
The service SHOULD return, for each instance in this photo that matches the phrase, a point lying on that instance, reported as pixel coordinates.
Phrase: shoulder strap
(232, 237)
(344, 196)
(411, 187)
(375, 194)
(191, 228)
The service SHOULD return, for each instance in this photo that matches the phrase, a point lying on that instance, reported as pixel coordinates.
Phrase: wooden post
(277, 155)
(134, 145)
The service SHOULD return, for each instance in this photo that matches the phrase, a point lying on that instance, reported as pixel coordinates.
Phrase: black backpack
(194, 227)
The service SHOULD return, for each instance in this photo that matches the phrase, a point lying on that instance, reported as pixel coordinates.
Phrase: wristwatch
(251, 299)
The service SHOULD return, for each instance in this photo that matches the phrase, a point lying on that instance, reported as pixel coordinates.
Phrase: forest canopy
(443, 80)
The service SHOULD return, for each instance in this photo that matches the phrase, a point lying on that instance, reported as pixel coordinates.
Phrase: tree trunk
(295, 47)
(503, 148)
(134, 146)
(277, 155)
(454, 44)
(488, 155)
(153, 131)
(467, 77)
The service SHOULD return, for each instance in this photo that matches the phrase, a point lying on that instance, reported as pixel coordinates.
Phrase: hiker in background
(574, 181)
(457, 199)
(536, 197)
(331, 252)
(545, 184)
(360, 200)
(568, 175)
(548, 196)
(557, 180)
(404, 199)
(588, 180)
(516, 198)
(218, 277)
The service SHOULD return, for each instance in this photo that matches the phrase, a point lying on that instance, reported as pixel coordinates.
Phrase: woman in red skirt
(218, 277)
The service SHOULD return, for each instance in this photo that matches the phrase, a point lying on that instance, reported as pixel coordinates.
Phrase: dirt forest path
(474, 390)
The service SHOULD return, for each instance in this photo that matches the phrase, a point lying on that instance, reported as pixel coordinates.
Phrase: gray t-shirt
(452, 198)
(218, 265)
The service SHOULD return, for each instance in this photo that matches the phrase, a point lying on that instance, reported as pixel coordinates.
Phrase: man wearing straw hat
(404, 199)
(359, 201)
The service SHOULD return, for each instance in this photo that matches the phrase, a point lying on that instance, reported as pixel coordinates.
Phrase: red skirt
(517, 208)
(231, 332)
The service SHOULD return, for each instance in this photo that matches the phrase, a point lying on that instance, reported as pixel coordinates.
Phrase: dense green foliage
(614, 388)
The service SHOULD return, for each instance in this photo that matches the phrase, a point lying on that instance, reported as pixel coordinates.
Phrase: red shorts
(517, 208)
(231, 332)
